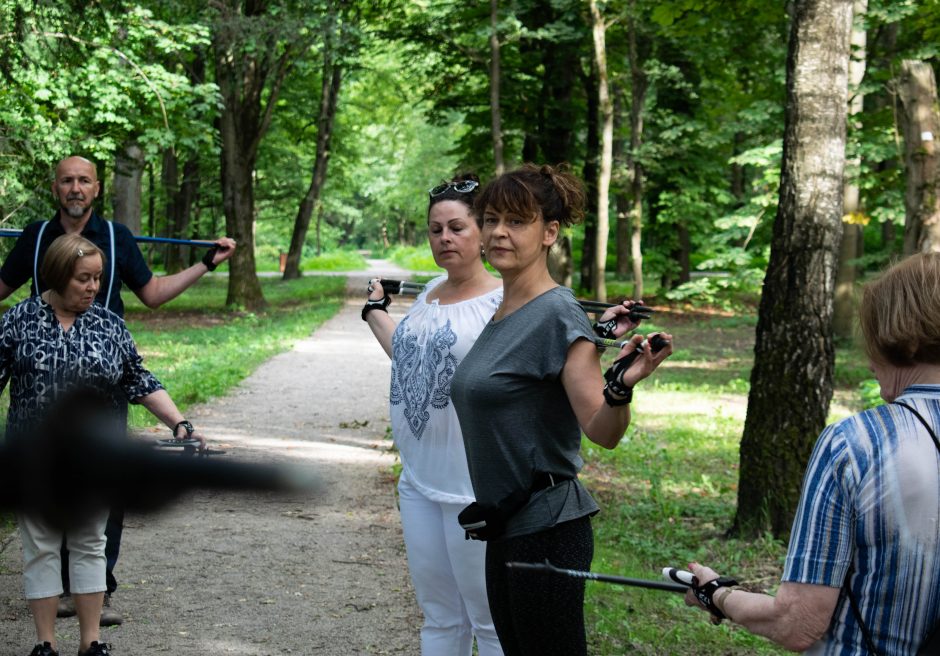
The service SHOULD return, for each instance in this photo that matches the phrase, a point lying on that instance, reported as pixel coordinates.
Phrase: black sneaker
(45, 649)
(96, 649)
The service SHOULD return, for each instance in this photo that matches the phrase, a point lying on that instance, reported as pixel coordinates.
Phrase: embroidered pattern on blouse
(422, 374)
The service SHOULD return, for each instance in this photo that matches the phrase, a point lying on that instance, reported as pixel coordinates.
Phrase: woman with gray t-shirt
(523, 394)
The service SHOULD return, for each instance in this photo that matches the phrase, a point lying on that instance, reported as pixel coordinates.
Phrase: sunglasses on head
(462, 187)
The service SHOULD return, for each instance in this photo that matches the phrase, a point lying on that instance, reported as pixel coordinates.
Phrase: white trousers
(42, 564)
(447, 571)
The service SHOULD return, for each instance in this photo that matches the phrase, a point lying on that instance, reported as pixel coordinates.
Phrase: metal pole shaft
(607, 578)
(9, 232)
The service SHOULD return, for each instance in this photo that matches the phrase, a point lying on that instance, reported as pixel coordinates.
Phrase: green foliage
(339, 260)
(114, 77)
(415, 258)
(870, 393)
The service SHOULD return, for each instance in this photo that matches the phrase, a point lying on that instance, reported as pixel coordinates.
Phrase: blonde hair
(899, 313)
(58, 264)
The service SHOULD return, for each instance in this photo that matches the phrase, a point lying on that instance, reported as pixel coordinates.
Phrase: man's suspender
(42, 229)
(112, 258)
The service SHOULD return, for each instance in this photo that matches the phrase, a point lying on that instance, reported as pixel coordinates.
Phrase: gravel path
(258, 574)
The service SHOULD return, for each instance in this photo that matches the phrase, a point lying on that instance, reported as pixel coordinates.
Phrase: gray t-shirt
(515, 415)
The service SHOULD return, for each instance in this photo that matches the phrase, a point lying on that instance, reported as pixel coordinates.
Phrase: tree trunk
(621, 198)
(329, 96)
(180, 197)
(249, 80)
(843, 319)
(920, 125)
(606, 160)
(639, 85)
(682, 255)
(791, 382)
(589, 174)
(128, 175)
(495, 115)
(559, 261)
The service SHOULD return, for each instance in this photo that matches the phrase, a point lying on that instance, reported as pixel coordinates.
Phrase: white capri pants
(42, 563)
(447, 571)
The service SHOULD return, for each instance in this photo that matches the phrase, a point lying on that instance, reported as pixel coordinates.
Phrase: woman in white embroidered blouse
(425, 347)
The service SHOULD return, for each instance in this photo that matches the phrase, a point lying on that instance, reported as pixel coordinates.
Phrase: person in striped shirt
(866, 529)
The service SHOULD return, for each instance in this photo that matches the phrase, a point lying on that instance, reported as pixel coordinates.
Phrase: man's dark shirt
(130, 267)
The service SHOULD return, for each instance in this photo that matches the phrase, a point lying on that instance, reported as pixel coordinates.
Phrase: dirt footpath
(258, 574)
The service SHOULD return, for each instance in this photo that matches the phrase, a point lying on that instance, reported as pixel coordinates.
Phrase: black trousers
(536, 613)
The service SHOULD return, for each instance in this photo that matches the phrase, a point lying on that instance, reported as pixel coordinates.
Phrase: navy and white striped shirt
(871, 501)
(42, 362)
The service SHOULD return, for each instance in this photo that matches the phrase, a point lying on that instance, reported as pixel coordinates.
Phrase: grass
(415, 258)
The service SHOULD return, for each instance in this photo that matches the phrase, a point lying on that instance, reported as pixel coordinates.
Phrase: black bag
(931, 644)
(488, 521)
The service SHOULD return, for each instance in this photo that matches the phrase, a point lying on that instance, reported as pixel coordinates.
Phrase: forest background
(311, 130)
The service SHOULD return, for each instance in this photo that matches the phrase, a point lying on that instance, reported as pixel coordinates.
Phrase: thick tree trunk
(843, 320)
(128, 176)
(249, 81)
(920, 125)
(791, 383)
(495, 115)
(606, 107)
(329, 96)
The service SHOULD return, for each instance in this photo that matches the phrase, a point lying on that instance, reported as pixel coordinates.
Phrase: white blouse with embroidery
(427, 346)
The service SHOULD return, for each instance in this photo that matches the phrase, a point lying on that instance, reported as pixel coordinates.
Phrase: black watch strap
(187, 426)
(705, 594)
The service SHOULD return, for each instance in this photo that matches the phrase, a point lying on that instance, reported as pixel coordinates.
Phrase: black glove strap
(380, 304)
(614, 378)
(187, 426)
(704, 594)
(207, 258)
(626, 394)
(605, 329)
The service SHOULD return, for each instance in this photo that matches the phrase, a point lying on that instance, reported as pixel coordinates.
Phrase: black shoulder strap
(933, 435)
(848, 591)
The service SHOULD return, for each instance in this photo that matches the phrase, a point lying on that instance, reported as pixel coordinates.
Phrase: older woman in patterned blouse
(50, 345)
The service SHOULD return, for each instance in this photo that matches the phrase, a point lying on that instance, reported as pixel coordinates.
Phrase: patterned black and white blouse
(42, 362)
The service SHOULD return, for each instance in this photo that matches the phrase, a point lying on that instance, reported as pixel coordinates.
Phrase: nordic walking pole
(592, 307)
(8, 232)
(674, 585)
